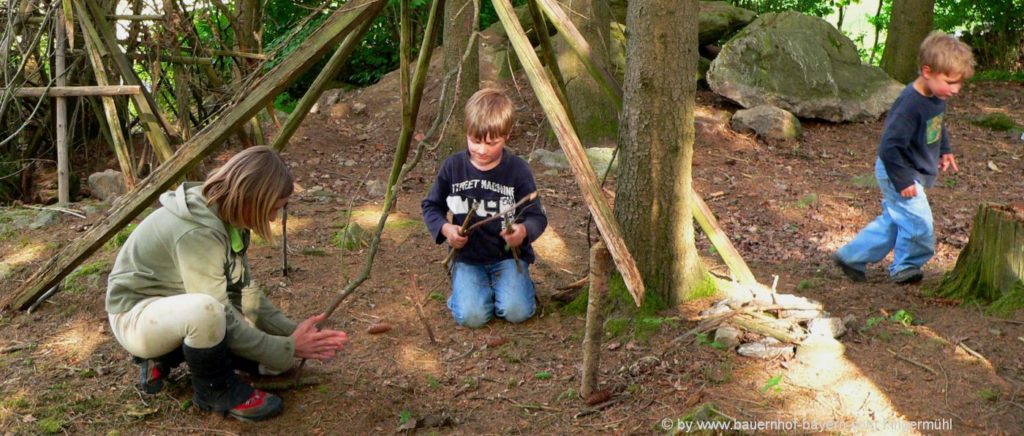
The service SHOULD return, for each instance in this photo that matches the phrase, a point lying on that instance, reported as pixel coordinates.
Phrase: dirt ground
(786, 206)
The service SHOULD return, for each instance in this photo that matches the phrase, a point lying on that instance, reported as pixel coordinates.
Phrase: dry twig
(912, 361)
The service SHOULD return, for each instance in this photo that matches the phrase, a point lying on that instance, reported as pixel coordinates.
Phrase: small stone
(375, 189)
(358, 108)
(363, 137)
(800, 315)
(350, 163)
(340, 110)
(826, 327)
(728, 336)
(107, 185)
(44, 219)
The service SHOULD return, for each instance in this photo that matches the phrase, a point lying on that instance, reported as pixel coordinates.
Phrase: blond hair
(945, 54)
(244, 190)
(488, 115)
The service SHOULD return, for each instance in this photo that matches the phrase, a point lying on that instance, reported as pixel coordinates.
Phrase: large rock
(107, 185)
(768, 122)
(804, 65)
(719, 20)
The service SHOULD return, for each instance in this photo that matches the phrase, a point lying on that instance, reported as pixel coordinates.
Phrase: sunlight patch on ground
(77, 341)
(959, 353)
(27, 254)
(368, 216)
(294, 224)
(552, 248)
(843, 396)
(415, 358)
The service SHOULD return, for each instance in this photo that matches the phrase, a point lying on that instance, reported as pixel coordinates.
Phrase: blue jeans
(480, 292)
(904, 227)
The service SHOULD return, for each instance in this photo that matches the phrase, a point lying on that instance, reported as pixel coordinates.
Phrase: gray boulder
(804, 65)
(718, 20)
(107, 185)
(768, 122)
(599, 158)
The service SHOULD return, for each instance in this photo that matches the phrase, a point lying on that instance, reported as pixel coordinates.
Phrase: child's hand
(948, 161)
(909, 191)
(452, 233)
(516, 236)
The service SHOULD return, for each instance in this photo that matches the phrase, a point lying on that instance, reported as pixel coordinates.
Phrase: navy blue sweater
(459, 183)
(914, 139)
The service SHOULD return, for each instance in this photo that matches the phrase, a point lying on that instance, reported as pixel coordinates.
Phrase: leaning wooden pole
(94, 47)
(600, 269)
(342, 22)
(398, 168)
(570, 144)
(156, 127)
(540, 26)
(312, 94)
(709, 224)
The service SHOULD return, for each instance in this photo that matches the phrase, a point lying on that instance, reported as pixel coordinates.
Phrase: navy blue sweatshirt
(459, 183)
(914, 139)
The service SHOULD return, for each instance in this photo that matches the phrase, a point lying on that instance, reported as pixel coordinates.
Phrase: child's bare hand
(909, 191)
(516, 236)
(452, 233)
(948, 161)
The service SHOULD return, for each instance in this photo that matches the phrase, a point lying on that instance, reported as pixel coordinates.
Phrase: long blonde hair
(245, 189)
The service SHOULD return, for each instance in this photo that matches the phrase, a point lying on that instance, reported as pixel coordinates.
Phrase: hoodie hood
(188, 203)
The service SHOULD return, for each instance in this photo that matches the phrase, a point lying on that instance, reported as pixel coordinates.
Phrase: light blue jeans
(480, 292)
(904, 227)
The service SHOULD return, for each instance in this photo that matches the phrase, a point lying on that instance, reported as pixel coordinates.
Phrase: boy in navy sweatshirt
(913, 149)
(487, 279)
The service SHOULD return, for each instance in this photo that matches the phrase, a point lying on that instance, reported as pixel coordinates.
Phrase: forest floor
(786, 206)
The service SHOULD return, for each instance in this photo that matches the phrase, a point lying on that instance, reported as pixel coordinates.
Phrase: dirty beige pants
(156, 326)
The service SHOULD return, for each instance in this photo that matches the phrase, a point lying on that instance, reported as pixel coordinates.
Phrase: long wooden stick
(72, 91)
(540, 26)
(63, 190)
(912, 361)
(309, 52)
(570, 143)
(579, 44)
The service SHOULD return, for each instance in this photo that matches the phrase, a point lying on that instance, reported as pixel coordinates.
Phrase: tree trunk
(458, 27)
(656, 138)
(910, 23)
(594, 112)
(990, 268)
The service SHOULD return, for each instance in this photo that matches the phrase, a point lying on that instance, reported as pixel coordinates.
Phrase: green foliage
(997, 121)
(51, 425)
(993, 28)
(284, 102)
(902, 317)
(433, 382)
(89, 275)
(404, 417)
(772, 385)
(706, 288)
(817, 8)
(988, 394)
(615, 327)
(122, 235)
(351, 237)
(313, 251)
(703, 339)
(998, 76)
(437, 296)
(542, 375)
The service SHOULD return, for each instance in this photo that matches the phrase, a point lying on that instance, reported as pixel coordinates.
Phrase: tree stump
(990, 268)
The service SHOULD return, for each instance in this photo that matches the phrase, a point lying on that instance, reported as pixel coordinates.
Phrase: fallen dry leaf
(598, 397)
(379, 328)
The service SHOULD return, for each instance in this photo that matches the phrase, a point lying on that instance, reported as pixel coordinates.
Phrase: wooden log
(570, 144)
(173, 59)
(600, 268)
(136, 17)
(990, 269)
(73, 91)
(63, 190)
(306, 55)
(540, 26)
(94, 46)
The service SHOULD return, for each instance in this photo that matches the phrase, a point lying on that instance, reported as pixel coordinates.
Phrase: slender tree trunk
(911, 21)
(458, 27)
(878, 30)
(656, 137)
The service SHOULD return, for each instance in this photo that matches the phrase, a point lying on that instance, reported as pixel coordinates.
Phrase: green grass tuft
(85, 276)
(997, 121)
(119, 239)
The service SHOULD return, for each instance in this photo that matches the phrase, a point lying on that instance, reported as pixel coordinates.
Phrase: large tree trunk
(595, 113)
(910, 24)
(990, 268)
(458, 27)
(656, 138)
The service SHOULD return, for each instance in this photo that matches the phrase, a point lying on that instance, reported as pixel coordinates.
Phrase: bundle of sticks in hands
(510, 217)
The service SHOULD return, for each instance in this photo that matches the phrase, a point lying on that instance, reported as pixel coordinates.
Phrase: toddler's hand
(516, 236)
(909, 191)
(948, 161)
